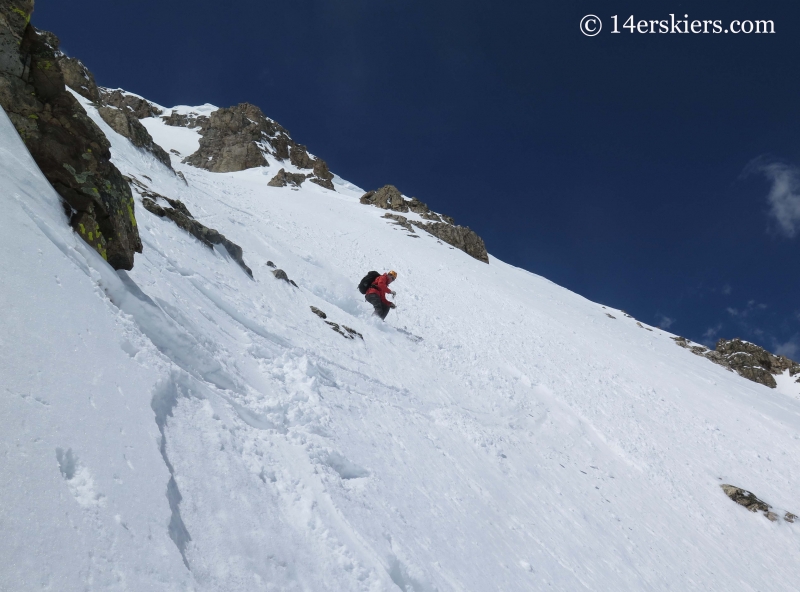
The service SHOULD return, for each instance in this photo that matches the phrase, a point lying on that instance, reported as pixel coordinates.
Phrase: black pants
(381, 309)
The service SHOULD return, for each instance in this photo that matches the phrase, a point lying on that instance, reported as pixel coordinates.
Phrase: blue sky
(656, 173)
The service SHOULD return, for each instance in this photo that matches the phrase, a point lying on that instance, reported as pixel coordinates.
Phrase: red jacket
(381, 287)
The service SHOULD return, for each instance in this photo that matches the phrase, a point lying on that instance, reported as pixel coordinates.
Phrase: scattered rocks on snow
(442, 227)
(752, 503)
(71, 151)
(127, 124)
(400, 221)
(747, 359)
(180, 215)
(342, 330)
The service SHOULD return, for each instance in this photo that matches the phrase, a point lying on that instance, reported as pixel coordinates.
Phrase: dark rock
(282, 179)
(188, 120)
(233, 140)
(352, 332)
(79, 78)
(752, 503)
(270, 264)
(747, 359)
(281, 275)
(298, 156)
(318, 312)
(461, 237)
(322, 176)
(387, 197)
(179, 214)
(610, 316)
(129, 103)
(71, 151)
(128, 125)
(182, 178)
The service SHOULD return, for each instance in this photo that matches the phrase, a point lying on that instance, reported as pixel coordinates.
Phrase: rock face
(129, 103)
(241, 137)
(125, 123)
(442, 227)
(180, 215)
(747, 359)
(69, 148)
(79, 78)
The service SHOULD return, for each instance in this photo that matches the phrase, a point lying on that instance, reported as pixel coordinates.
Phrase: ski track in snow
(183, 427)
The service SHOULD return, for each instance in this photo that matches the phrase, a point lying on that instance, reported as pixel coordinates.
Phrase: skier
(376, 294)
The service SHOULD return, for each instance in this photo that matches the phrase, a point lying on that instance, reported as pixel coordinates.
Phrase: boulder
(749, 500)
(71, 151)
(127, 124)
(282, 179)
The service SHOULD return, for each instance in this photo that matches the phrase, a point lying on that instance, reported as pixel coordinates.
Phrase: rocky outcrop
(747, 359)
(461, 237)
(78, 77)
(72, 152)
(180, 215)
(282, 179)
(387, 197)
(127, 124)
(137, 106)
(748, 500)
(442, 227)
(241, 137)
(189, 120)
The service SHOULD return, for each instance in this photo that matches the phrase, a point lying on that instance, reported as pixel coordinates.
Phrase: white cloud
(784, 195)
(726, 289)
(710, 336)
(790, 349)
(664, 321)
(732, 311)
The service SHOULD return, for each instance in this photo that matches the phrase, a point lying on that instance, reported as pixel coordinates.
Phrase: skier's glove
(392, 305)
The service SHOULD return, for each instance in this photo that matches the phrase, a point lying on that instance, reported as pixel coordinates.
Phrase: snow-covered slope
(185, 427)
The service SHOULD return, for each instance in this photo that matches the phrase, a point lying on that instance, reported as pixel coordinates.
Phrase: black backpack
(366, 281)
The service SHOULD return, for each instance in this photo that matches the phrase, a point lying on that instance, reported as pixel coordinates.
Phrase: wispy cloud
(726, 289)
(790, 348)
(711, 334)
(784, 195)
(752, 306)
(664, 321)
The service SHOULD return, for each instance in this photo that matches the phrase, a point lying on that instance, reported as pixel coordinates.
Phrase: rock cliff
(72, 152)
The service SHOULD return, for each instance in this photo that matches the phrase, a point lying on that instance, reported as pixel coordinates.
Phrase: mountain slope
(183, 426)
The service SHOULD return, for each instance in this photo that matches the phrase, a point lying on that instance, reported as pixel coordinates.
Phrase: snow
(183, 427)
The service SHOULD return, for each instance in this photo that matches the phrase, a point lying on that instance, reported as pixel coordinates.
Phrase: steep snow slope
(183, 427)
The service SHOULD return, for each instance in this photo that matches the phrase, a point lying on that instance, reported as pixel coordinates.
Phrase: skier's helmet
(392, 274)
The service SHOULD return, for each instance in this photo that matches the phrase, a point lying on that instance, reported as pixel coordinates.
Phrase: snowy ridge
(183, 427)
